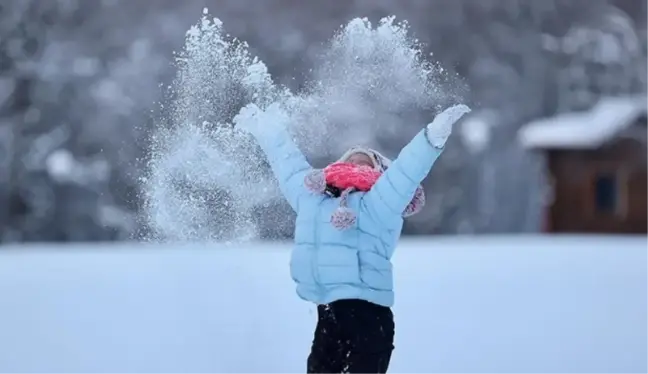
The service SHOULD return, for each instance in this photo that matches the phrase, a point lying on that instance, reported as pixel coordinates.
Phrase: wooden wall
(600, 191)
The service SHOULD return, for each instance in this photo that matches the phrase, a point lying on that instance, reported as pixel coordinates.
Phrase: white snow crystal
(475, 133)
(363, 78)
(60, 165)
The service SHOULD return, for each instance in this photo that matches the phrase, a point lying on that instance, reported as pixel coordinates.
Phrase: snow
(464, 304)
(475, 133)
(361, 79)
(63, 167)
(60, 164)
(587, 129)
(610, 40)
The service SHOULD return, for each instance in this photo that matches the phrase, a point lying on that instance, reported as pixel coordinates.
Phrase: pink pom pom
(315, 181)
(343, 218)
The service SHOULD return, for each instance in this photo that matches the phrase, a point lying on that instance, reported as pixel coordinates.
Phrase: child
(349, 220)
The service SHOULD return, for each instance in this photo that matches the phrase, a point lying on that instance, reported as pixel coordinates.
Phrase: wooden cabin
(596, 167)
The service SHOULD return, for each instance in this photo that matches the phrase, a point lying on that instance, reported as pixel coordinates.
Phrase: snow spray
(206, 179)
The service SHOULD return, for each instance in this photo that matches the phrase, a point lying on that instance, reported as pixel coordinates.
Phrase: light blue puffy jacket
(328, 264)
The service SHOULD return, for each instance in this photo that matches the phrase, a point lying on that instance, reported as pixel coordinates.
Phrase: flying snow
(206, 180)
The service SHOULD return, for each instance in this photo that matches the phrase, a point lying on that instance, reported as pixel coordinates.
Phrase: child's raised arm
(394, 190)
(286, 160)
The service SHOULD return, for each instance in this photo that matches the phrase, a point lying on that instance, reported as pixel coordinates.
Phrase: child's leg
(368, 330)
(327, 350)
(367, 362)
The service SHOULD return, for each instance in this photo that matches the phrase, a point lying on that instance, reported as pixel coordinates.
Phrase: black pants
(352, 336)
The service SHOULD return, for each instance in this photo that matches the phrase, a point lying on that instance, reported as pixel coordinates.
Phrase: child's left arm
(394, 190)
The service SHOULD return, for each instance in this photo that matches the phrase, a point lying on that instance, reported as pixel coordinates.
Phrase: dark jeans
(352, 336)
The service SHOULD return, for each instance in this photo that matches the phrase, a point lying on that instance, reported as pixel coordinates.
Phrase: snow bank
(520, 304)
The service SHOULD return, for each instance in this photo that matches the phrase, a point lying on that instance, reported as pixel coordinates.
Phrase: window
(606, 193)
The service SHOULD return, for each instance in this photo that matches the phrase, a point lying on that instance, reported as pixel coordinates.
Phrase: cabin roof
(587, 129)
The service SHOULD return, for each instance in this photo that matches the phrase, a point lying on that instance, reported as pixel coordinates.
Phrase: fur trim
(380, 162)
(315, 181)
(417, 203)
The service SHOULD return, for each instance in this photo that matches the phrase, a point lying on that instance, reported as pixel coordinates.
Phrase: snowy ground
(508, 304)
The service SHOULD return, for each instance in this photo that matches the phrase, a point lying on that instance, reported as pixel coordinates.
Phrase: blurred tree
(599, 56)
(72, 101)
(78, 80)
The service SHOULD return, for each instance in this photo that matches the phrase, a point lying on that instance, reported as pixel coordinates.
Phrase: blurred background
(556, 143)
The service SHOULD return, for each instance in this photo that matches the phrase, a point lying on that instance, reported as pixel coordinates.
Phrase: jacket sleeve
(394, 190)
(287, 162)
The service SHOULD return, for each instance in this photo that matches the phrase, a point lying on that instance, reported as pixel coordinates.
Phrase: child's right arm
(286, 160)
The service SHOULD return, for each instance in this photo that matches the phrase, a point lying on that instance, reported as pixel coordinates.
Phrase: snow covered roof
(584, 130)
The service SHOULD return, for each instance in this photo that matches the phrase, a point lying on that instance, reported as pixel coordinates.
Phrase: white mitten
(247, 118)
(440, 128)
(254, 120)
